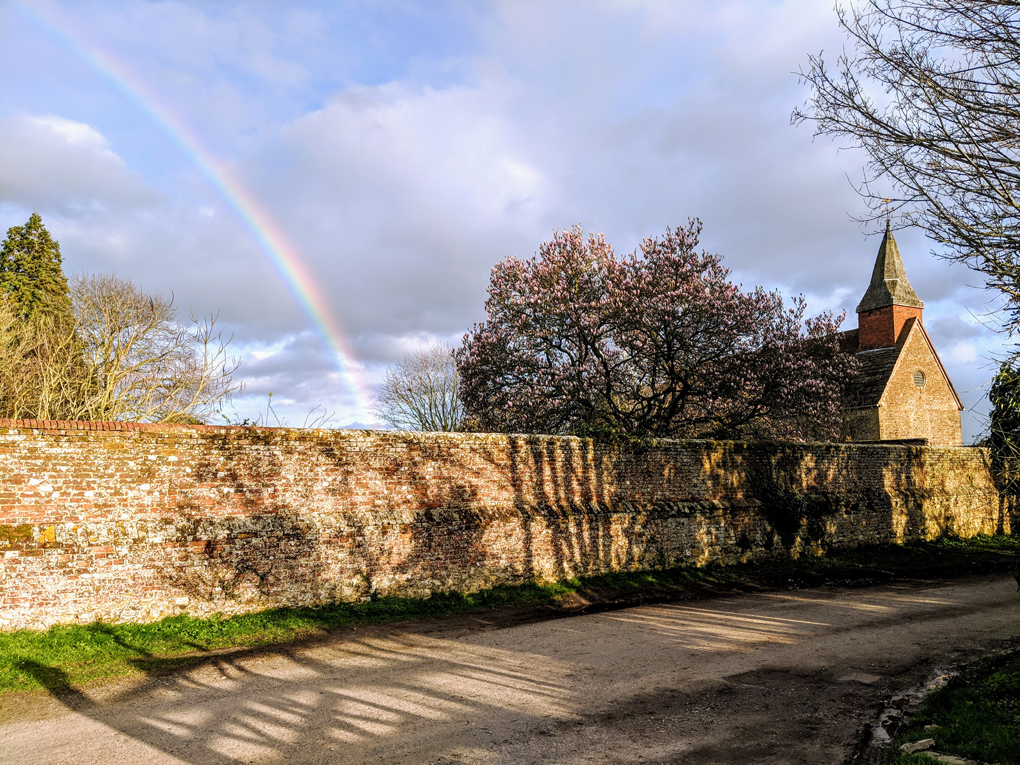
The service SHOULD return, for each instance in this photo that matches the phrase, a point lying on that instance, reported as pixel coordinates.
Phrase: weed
(977, 716)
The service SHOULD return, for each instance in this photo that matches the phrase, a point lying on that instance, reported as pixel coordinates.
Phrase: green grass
(72, 656)
(978, 714)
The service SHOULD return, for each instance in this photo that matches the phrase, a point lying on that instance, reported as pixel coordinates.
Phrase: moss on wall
(128, 522)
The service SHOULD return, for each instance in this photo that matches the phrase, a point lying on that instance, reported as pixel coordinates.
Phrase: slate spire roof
(889, 283)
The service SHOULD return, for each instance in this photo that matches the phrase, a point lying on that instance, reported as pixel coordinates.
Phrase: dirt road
(785, 677)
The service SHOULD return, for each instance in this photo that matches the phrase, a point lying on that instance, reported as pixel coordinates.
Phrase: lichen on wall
(121, 521)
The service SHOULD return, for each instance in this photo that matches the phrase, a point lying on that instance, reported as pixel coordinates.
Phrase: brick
(303, 517)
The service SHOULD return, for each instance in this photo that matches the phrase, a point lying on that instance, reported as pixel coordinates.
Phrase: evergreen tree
(31, 277)
(1004, 430)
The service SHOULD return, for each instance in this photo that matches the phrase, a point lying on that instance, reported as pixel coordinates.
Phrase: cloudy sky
(336, 179)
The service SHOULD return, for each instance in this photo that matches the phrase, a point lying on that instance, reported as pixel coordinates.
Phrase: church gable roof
(876, 367)
(909, 329)
(889, 283)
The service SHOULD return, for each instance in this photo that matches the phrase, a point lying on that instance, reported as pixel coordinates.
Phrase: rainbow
(284, 257)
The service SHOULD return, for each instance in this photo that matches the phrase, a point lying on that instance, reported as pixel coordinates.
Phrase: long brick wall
(121, 521)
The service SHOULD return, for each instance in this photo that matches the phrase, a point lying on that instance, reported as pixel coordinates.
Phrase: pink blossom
(657, 343)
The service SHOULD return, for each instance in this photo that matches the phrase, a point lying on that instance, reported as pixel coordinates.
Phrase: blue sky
(403, 148)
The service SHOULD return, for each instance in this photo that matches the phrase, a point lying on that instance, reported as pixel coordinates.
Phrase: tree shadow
(224, 711)
(311, 520)
(395, 693)
(56, 682)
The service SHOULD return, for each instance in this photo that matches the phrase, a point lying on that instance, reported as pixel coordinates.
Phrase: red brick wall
(881, 328)
(128, 522)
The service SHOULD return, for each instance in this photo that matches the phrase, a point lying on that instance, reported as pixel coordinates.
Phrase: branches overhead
(931, 91)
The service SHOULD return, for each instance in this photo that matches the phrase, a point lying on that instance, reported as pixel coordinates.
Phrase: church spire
(889, 283)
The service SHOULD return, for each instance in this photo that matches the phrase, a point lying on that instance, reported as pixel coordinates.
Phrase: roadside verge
(70, 657)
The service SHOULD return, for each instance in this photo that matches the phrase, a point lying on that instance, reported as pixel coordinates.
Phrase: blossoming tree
(658, 343)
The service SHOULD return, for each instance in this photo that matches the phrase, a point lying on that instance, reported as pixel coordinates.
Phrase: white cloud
(52, 162)
(449, 151)
(402, 198)
(961, 353)
(402, 161)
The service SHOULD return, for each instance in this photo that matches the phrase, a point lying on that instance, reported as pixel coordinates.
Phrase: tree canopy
(31, 274)
(1004, 428)
(931, 91)
(657, 343)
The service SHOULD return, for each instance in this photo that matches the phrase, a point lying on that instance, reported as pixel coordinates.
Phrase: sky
(335, 180)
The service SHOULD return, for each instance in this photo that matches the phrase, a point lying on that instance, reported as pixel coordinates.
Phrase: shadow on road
(400, 696)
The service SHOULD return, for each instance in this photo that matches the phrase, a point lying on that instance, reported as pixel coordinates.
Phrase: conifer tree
(31, 277)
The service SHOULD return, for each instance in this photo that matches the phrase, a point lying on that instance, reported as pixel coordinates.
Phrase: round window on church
(919, 378)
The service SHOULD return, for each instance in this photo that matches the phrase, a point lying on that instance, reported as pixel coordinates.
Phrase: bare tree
(42, 375)
(124, 357)
(143, 364)
(931, 91)
(18, 383)
(422, 392)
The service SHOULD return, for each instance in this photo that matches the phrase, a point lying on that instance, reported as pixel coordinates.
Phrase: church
(902, 393)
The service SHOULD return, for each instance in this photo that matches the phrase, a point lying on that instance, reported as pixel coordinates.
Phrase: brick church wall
(861, 424)
(881, 327)
(134, 522)
(929, 412)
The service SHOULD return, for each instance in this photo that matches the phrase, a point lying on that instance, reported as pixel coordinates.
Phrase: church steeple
(890, 300)
(889, 283)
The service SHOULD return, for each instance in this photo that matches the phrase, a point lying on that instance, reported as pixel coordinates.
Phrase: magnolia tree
(657, 343)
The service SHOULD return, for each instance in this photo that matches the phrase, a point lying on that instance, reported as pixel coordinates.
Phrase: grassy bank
(977, 716)
(71, 656)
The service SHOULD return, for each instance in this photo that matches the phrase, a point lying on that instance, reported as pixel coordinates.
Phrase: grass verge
(977, 714)
(71, 656)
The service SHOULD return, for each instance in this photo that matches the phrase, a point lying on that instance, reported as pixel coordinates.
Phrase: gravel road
(782, 677)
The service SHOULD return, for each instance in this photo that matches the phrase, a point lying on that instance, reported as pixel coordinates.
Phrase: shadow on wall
(809, 507)
(501, 511)
(247, 554)
(857, 495)
(319, 519)
(306, 526)
(564, 498)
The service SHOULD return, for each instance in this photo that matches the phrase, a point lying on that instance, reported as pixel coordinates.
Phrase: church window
(919, 378)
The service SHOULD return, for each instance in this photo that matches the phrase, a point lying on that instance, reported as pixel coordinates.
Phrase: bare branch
(931, 91)
(125, 357)
(422, 392)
